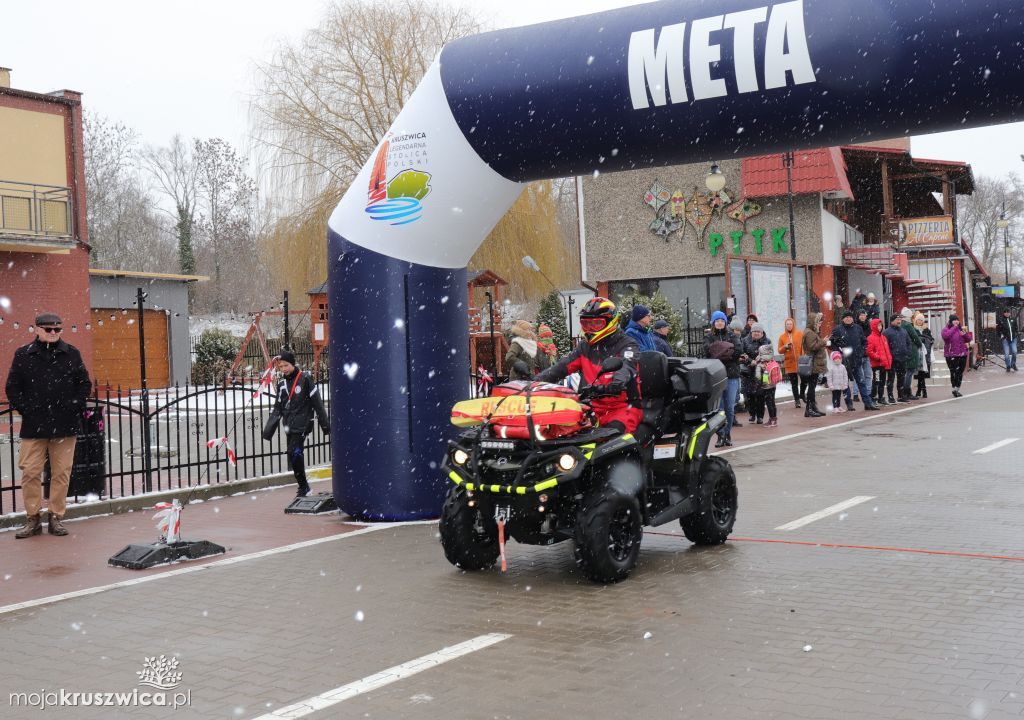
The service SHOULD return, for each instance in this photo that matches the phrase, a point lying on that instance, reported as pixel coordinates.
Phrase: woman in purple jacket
(956, 340)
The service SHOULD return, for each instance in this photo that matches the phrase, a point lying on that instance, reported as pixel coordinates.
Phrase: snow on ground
(235, 324)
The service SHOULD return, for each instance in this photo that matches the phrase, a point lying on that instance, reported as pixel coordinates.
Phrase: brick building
(44, 239)
(855, 209)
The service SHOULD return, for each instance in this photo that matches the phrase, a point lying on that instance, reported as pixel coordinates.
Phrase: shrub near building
(215, 352)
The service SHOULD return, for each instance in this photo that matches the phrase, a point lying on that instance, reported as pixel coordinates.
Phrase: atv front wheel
(608, 534)
(469, 539)
(712, 522)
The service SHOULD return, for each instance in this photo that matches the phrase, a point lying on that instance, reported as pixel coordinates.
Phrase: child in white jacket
(838, 380)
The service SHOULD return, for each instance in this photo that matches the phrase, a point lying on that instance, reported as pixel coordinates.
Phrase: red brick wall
(35, 283)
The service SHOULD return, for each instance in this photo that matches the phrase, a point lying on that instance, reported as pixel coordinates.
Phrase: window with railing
(35, 210)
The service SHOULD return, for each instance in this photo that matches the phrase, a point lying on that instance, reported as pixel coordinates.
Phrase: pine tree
(552, 314)
(660, 308)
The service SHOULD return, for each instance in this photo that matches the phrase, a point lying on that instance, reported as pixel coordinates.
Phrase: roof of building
(904, 166)
(974, 258)
(814, 171)
(57, 96)
(483, 278)
(320, 289)
(147, 275)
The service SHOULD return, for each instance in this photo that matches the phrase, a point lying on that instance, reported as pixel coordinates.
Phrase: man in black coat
(660, 337)
(900, 347)
(1009, 331)
(850, 340)
(48, 386)
(298, 399)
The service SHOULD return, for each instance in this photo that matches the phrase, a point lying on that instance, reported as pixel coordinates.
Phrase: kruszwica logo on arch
(396, 185)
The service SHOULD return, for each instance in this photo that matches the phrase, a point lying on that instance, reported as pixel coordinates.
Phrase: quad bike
(533, 465)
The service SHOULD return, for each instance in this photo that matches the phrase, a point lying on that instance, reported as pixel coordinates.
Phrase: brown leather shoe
(56, 526)
(33, 526)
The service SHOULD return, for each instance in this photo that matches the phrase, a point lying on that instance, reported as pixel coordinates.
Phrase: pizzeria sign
(928, 230)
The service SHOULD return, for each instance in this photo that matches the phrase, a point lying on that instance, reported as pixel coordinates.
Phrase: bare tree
(124, 226)
(176, 174)
(978, 215)
(227, 195)
(325, 102)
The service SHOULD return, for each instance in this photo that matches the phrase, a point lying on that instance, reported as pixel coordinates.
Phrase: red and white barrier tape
(169, 519)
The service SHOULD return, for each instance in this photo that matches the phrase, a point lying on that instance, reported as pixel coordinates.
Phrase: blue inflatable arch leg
(657, 84)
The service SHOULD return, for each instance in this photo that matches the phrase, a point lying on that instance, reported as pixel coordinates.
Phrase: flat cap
(49, 319)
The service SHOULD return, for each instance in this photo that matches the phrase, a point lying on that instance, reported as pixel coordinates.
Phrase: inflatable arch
(657, 84)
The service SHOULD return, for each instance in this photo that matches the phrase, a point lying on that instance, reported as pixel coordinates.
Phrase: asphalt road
(907, 602)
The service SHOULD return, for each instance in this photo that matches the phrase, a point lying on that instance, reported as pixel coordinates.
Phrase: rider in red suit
(618, 405)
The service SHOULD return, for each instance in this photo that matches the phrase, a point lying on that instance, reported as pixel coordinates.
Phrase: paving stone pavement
(891, 634)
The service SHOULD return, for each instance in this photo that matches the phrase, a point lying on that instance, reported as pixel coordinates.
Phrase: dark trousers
(956, 370)
(908, 381)
(763, 399)
(296, 462)
(895, 376)
(812, 384)
(837, 396)
(799, 385)
(878, 383)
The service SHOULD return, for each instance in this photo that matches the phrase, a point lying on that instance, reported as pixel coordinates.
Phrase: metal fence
(160, 442)
(303, 349)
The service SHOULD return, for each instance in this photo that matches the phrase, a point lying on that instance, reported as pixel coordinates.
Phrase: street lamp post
(1004, 223)
(787, 160)
(715, 180)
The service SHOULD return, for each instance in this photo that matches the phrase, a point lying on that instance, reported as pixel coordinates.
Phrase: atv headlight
(460, 457)
(566, 462)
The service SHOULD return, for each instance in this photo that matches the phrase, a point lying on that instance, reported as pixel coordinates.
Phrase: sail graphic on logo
(396, 202)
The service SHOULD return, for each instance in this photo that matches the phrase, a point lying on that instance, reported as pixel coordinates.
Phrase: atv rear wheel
(712, 522)
(469, 539)
(608, 534)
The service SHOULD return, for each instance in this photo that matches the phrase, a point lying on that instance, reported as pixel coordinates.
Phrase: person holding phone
(957, 343)
(790, 345)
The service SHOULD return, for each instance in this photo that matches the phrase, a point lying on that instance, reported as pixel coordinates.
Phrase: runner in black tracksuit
(298, 398)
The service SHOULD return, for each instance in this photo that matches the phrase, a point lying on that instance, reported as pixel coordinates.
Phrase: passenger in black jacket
(298, 398)
(47, 385)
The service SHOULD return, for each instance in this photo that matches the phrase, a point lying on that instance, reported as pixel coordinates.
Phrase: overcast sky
(187, 67)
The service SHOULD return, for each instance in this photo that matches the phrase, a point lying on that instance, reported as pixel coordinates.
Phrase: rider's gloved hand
(610, 390)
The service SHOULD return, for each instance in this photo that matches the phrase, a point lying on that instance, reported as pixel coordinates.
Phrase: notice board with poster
(769, 287)
(936, 230)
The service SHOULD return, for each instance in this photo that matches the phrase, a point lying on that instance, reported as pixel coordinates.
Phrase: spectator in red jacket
(881, 361)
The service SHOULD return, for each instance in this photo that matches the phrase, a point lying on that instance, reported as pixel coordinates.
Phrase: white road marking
(995, 446)
(839, 507)
(207, 566)
(865, 418)
(385, 677)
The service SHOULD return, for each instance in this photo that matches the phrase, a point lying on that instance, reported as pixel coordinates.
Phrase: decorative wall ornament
(742, 210)
(668, 209)
(672, 211)
(699, 214)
